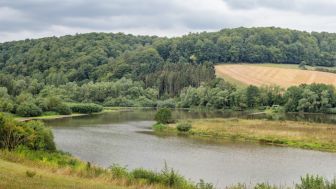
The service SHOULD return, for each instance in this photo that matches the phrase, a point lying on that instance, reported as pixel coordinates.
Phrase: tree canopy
(42, 75)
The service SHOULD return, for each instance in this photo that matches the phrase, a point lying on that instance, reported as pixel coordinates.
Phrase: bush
(62, 109)
(33, 134)
(42, 139)
(6, 105)
(28, 110)
(168, 177)
(86, 108)
(159, 127)
(163, 116)
(172, 179)
(183, 127)
(119, 171)
(119, 102)
(310, 182)
(150, 176)
(145, 102)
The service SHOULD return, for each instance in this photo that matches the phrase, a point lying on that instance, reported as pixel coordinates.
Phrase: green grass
(305, 135)
(17, 176)
(61, 170)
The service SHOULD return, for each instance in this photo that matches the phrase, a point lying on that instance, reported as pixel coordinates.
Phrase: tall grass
(65, 164)
(315, 181)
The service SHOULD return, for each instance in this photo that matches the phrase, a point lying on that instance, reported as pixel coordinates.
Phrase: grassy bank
(24, 168)
(305, 135)
(14, 175)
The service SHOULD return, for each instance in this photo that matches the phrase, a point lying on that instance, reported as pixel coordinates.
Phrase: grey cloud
(106, 14)
(23, 18)
(316, 7)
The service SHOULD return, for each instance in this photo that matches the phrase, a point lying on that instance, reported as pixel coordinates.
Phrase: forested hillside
(127, 70)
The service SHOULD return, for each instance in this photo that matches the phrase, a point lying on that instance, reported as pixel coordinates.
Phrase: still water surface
(122, 138)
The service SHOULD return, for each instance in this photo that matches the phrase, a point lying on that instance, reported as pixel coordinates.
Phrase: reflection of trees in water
(317, 118)
(148, 114)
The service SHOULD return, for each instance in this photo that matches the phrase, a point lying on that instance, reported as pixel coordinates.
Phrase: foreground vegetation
(58, 170)
(19, 176)
(283, 133)
(23, 168)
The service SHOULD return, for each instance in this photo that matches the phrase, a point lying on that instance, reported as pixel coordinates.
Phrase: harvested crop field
(258, 75)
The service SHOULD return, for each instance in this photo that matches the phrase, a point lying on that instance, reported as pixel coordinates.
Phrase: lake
(124, 138)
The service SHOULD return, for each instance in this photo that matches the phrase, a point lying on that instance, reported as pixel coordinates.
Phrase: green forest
(84, 72)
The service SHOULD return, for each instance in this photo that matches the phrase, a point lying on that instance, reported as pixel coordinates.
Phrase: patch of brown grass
(258, 75)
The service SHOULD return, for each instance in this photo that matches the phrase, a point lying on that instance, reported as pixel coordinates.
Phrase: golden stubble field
(258, 75)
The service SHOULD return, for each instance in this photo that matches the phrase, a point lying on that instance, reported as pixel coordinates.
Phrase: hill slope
(264, 75)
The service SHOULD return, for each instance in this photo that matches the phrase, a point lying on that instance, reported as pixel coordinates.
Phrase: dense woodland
(45, 75)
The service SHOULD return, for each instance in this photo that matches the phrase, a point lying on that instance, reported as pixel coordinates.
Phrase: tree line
(218, 94)
(50, 74)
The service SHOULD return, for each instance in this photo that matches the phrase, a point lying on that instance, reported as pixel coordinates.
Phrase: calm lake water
(123, 138)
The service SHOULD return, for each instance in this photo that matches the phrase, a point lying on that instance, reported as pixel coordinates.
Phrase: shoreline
(249, 112)
(54, 117)
(294, 134)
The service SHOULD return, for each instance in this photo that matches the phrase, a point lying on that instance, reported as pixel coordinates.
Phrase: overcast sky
(20, 19)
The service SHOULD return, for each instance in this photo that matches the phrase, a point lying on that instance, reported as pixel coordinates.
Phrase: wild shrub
(150, 176)
(28, 109)
(119, 102)
(145, 102)
(159, 127)
(119, 171)
(42, 139)
(6, 105)
(32, 134)
(62, 109)
(171, 178)
(163, 116)
(183, 127)
(311, 182)
(85, 108)
(54, 104)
